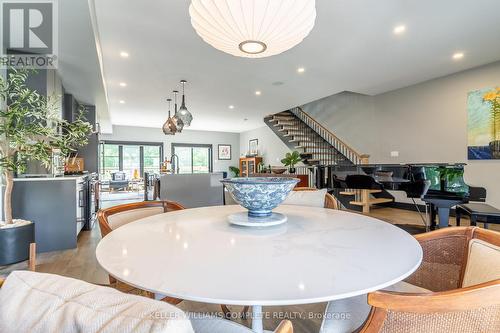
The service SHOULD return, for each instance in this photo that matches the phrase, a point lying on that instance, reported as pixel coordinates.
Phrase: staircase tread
(347, 193)
(301, 140)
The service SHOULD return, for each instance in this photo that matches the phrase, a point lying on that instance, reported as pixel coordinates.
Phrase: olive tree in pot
(29, 130)
(290, 160)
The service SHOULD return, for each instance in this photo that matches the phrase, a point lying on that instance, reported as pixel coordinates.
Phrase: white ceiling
(352, 47)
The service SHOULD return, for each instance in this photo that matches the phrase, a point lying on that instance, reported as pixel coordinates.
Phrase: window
(193, 158)
(133, 158)
(152, 159)
(131, 161)
(110, 160)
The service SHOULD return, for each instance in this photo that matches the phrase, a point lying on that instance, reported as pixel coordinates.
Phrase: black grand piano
(440, 185)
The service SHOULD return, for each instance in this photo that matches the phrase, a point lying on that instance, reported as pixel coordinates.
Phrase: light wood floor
(80, 263)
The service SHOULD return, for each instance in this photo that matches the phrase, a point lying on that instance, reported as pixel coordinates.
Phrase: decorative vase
(291, 170)
(495, 149)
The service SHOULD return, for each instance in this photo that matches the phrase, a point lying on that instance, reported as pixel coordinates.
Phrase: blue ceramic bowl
(260, 195)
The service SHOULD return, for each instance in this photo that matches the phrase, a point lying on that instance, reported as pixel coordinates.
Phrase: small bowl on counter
(278, 170)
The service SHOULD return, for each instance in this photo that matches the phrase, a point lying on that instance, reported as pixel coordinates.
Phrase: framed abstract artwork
(483, 124)
(224, 152)
(253, 147)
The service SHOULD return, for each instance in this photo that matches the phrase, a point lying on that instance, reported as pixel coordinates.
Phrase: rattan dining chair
(460, 271)
(330, 201)
(114, 217)
(117, 216)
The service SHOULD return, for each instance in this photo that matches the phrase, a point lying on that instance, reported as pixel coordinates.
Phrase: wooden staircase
(313, 149)
(319, 147)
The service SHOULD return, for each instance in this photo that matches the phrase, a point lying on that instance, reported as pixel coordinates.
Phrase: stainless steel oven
(92, 201)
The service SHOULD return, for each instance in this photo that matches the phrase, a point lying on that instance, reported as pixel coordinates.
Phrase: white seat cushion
(306, 198)
(46, 303)
(347, 315)
(122, 218)
(483, 263)
(228, 199)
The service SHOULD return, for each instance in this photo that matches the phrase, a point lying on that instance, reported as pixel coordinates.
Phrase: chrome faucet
(175, 166)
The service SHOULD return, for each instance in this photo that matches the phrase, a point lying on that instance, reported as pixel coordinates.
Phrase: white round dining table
(318, 255)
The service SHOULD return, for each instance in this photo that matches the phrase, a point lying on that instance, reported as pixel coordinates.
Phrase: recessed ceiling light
(231, 107)
(123, 84)
(122, 101)
(398, 30)
(458, 55)
(258, 93)
(124, 54)
(301, 70)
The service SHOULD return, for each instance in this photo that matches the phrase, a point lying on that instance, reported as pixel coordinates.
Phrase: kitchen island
(193, 190)
(57, 206)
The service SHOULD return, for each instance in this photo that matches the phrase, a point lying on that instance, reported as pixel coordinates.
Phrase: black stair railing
(322, 143)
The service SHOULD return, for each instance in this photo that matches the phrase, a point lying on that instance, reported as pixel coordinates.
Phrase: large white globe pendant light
(253, 28)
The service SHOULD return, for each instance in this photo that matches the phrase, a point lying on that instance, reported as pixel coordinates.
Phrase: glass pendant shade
(169, 127)
(253, 28)
(179, 124)
(184, 115)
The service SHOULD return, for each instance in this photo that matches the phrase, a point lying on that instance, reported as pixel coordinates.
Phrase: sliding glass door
(132, 158)
(131, 161)
(193, 158)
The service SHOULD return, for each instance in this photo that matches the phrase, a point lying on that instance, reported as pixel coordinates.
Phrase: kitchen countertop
(26, 179)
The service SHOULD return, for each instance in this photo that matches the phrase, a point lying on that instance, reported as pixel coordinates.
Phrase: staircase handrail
(331, 138)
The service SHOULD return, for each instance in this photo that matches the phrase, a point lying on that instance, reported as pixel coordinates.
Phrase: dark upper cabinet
(89, 152)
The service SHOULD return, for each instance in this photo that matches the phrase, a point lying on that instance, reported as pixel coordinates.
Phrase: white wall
(146, 134)
(426, 122)
(271, 148)
(350, 116)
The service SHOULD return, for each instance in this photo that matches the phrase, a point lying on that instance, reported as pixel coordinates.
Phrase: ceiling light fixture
(184, 114)
(169, 127)
(301, 70)
(124, 54)
(398, 30)
(122, 101)
(179, 124)
(123, 84)
(253, 28)
(458, 55)
(258, 93)
(231, 107)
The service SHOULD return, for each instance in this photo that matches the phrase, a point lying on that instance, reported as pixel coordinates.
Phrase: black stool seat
(478, 212)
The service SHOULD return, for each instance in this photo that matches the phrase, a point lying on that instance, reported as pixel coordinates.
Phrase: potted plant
(290, 160)
(235, 171)
(29, 130)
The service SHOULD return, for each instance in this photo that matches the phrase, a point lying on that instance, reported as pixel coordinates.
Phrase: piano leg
(473, 220)
(458, 215)
(444, 217)
(433, 217)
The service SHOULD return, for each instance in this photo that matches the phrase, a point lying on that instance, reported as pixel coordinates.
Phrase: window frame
(120, 145)
(196, 145)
